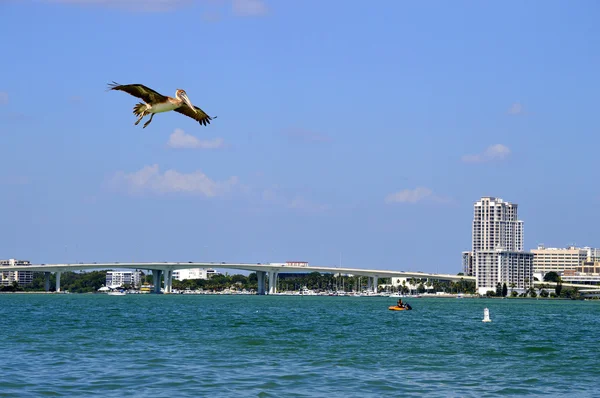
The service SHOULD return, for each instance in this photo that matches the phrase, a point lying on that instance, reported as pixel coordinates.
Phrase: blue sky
(344, 127)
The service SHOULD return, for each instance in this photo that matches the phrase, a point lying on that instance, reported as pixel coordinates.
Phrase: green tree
(551, 277)
(558, 287)
(504, 289)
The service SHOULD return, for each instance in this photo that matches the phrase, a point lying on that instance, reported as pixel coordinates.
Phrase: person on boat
(400, 304)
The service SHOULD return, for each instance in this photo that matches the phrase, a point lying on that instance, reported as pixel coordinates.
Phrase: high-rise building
(21, 277)
(496, 225)
(497, 254)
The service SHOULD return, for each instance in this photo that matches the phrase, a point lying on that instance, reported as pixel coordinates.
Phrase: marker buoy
(486, 315)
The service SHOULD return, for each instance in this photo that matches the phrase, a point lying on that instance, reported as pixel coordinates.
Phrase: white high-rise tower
(496, 225)
(497, 254)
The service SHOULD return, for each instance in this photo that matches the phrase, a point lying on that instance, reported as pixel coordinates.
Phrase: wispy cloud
(516, 109)
(179, 139)
(3, 98)
(132, 5)
(493, 152)
(409, 195)
(416, 195)
(242, 8)
(275, 196)
(149, 179)
(249, 7)
(307, 135)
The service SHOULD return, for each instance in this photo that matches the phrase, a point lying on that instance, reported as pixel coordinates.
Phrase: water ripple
(141, 345)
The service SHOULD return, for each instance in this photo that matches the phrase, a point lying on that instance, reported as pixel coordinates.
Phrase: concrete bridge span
(165, 270)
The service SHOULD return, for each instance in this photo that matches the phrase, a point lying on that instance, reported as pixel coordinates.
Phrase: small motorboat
(397, 308)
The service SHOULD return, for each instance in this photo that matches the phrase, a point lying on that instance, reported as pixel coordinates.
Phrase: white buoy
(486, 315)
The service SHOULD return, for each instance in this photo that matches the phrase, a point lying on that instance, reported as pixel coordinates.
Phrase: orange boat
(396, 308)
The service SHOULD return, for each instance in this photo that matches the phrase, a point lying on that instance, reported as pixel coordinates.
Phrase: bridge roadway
(165, 271)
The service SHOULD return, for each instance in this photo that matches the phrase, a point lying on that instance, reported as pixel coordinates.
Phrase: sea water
(295, 346)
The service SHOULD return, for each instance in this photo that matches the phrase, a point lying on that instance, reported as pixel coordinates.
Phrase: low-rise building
(122, 278)
(561, 260)
(194, 273)
(296, 263)
(23, 278)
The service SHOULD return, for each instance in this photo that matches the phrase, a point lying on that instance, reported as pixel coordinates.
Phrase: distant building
(502, 266)
(467, 263)
(21, 277)
(586, 273)
(296, 263)
(121, 278)
(497, 254)
(562, 260)
(194, 273)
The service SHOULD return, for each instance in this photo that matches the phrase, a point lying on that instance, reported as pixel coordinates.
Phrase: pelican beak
(187, 101)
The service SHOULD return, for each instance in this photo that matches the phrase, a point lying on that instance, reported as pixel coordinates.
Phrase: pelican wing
(196, 114)
(139, 90)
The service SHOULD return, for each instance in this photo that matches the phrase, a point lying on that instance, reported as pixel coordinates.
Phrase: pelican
(157, 103)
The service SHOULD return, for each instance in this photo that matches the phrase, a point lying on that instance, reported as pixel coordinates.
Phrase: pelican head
(180, 94)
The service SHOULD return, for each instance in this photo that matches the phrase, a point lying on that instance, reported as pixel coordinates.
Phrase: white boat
(116, 293)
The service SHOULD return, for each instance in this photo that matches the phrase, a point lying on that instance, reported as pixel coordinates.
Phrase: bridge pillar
(47, 281)
(58, 281)
(272, 282)
(375, 284)
(168, 280)
(261, 276)
(369, 284)
(156, 274)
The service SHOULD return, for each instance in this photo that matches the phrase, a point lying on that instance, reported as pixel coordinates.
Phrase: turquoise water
(273, 346)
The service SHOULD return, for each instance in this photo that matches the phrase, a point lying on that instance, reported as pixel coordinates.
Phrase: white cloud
(3, 98)
(409, 195)
(249, 7)
(275, 197)
(301, 203)
(133, 5)
(149, 179)
(516, 109)
(179, 139)
(493, 152)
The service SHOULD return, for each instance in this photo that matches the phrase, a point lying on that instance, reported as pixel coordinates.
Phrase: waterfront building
(121, 278)
(497, 254)
(194, 273)
(467, 263)
(586, 273)
(547, 259)
(502, 266)
(562, 260)
(23, 278)
(296, 263)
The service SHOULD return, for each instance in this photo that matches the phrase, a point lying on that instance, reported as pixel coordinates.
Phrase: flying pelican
(157, 103)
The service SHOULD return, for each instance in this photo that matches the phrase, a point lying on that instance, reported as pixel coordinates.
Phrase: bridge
(165, 270)
(584, 289)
